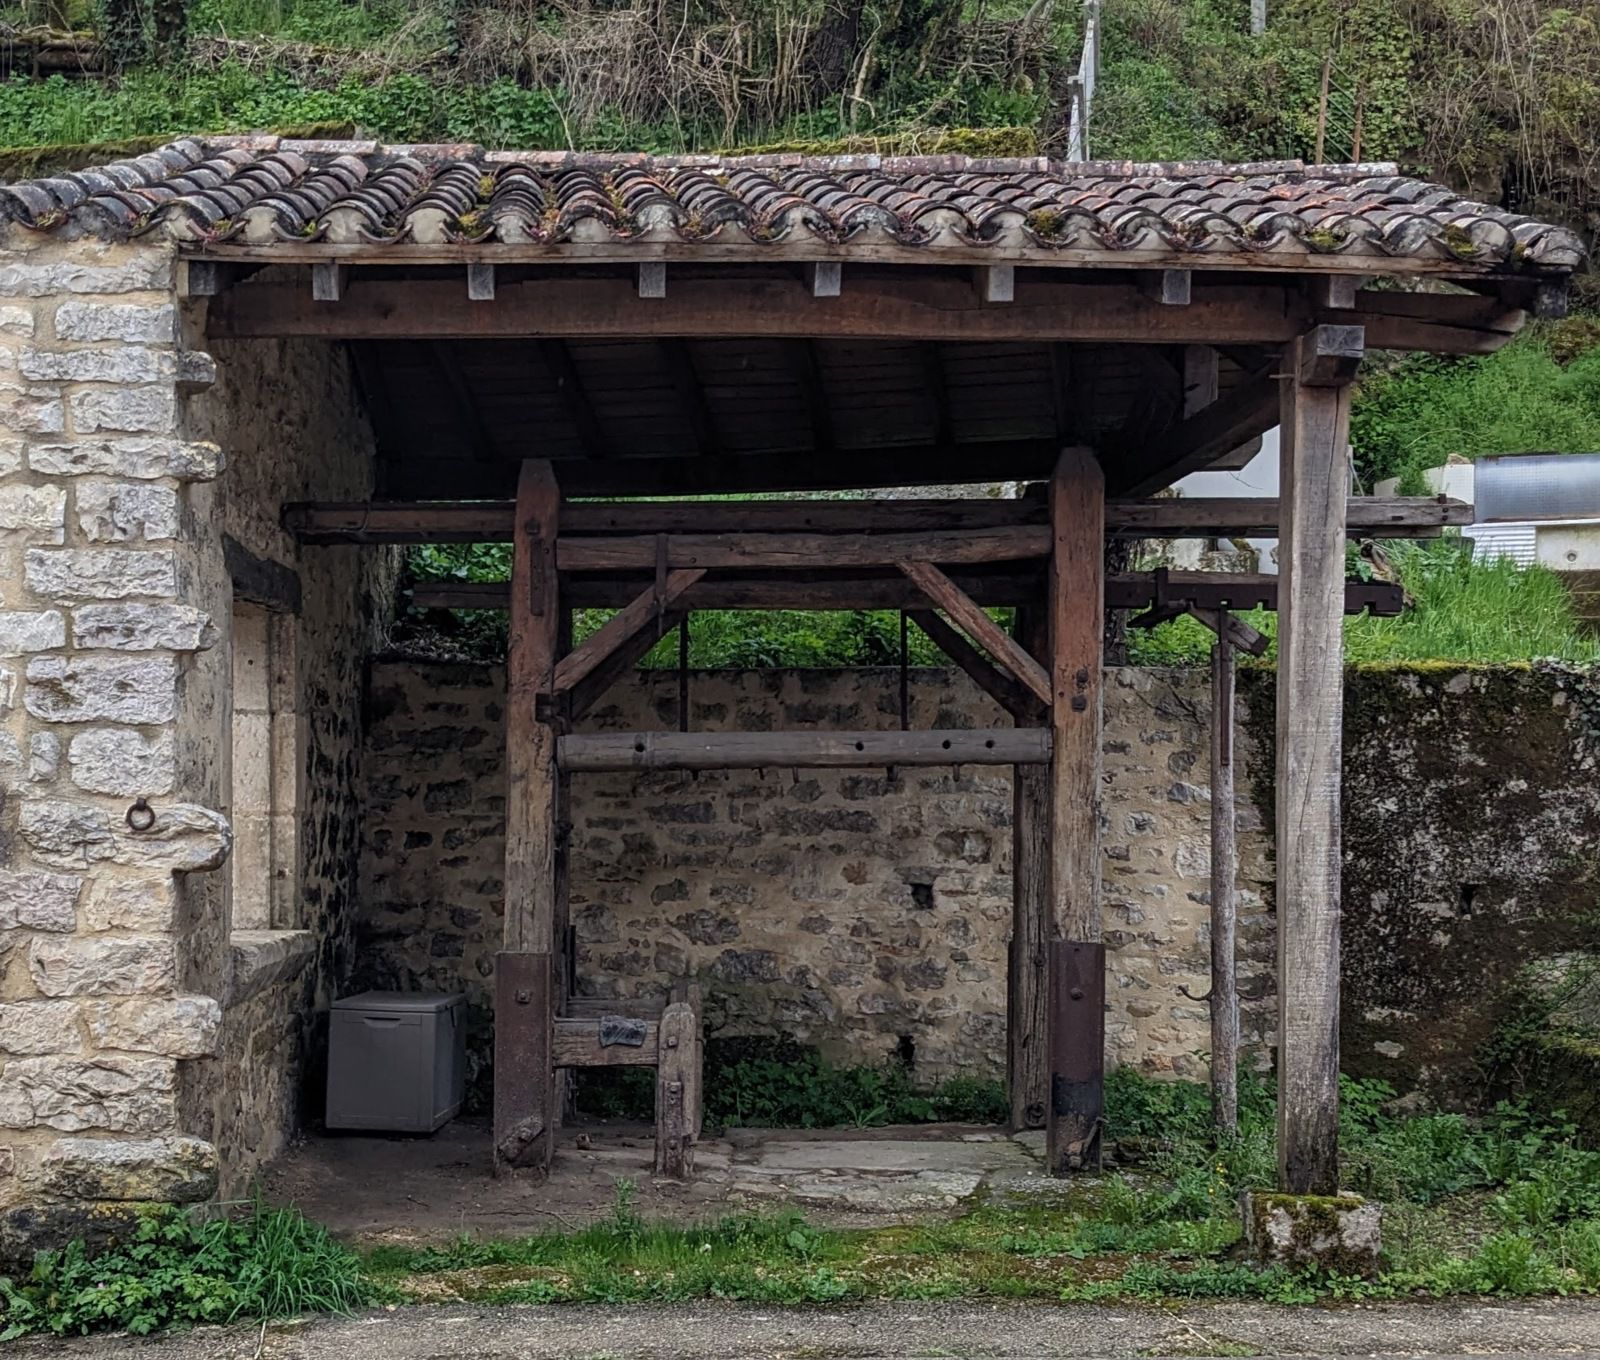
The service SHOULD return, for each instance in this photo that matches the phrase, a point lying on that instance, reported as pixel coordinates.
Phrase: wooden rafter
(575, 398)
(931, 359)
(806, 366)
(679, 363)
(1199, 440)
(948, 596)
(468, 412)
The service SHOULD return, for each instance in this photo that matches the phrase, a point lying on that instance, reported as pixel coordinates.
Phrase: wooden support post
(1076, 623)
(1314, 475)
(678, 1091)
(1224, 870)
(1027, 1018)
(525, 1113)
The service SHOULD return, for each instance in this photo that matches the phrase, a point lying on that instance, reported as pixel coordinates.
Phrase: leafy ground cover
(1504, 1205)
(777, 1083)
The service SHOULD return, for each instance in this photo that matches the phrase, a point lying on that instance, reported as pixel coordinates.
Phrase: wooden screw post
(1075, 976)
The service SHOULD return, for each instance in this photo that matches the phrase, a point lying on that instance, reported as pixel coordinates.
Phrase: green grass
(1462, 611)
(1506, 1205)
(1541, 393)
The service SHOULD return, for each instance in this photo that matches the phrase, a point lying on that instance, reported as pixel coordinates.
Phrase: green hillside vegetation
(1500, 98)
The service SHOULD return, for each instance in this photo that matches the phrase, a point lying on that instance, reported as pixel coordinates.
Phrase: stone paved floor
(421, 1189)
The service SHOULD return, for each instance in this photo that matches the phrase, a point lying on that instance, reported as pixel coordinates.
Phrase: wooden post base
(525, 1115)
(1076, 992)
(678, 1091)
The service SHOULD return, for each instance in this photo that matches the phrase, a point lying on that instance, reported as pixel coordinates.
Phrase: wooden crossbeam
(948, 596)
(611, 751)
(1134, 590)
(725, 550)
(327, 522)
(576, 1043)
(888, 305)
(1004, 689)
(622, 626)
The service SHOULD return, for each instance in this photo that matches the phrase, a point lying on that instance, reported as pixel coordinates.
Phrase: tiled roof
(260, 190)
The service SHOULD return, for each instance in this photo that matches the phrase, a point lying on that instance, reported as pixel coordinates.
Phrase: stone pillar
(108, 818)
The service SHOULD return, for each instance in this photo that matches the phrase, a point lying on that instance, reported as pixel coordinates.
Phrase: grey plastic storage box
(396, 1061)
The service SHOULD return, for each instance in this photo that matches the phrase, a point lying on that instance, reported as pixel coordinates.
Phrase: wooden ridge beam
(330, 522)
(1132, 590)
(611, 751)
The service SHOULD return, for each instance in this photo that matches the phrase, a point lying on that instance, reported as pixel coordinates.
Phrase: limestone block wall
(129, 1016)
(851, 909)
(107, 999)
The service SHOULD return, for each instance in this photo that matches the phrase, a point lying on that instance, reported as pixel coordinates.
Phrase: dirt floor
(410, 1189)
(735, 1332)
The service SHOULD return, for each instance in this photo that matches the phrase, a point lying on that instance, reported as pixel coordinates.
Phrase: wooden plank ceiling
(455, 418)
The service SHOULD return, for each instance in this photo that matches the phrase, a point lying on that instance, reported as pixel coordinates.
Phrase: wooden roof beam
(332, 522)
(1198, 441)
(881, 305)
(448, 363)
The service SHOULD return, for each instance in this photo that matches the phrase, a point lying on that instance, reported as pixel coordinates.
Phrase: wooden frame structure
(1292, 344)
(656, 559)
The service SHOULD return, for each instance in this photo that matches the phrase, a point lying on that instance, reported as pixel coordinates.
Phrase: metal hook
(141, 816)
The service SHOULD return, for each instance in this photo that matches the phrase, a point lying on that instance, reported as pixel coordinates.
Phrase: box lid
(399, 1002)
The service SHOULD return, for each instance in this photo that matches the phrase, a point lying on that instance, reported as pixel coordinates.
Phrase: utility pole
(1258, 17)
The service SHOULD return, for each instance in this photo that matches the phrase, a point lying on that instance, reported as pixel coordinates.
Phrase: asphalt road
(739, 1332)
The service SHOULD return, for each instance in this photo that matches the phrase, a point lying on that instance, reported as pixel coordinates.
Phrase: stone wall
(850, 909)
(116, 964)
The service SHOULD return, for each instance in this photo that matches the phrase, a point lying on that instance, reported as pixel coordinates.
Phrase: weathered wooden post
(525, 1111)
(1075, 981)
(1032, 920)
(1315, 479)
(1224, 871)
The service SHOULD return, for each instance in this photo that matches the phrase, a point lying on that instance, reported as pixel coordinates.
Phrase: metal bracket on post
(1076, 990)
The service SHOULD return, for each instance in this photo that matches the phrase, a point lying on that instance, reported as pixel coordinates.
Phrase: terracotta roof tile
(257, 190)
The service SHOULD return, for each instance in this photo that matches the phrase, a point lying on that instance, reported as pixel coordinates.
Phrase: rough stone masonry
(868, 912)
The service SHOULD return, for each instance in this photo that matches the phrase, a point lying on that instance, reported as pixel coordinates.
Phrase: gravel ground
(735, 1332)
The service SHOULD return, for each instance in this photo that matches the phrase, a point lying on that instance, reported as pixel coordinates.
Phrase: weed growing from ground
(185, 1267)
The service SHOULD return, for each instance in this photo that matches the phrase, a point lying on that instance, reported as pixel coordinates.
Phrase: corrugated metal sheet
(1516, 541)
